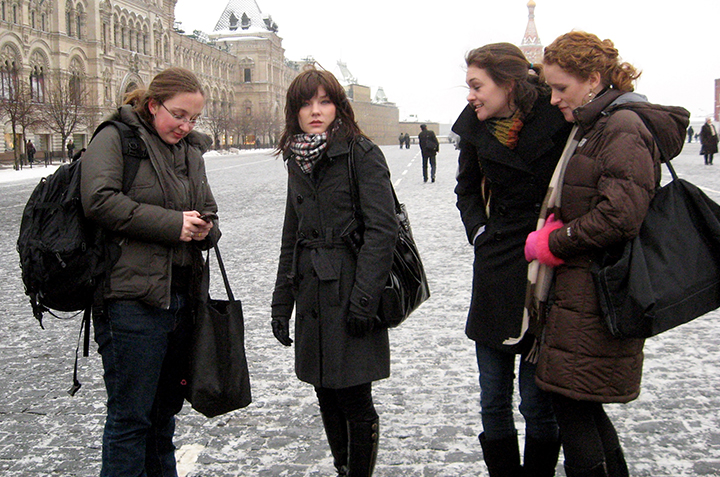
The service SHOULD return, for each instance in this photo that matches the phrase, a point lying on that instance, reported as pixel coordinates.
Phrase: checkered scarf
(308, 149)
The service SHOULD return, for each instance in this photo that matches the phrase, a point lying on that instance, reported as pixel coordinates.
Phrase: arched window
(42, 22)
(32, 19)
(78, 25)
(8, 78)
(69, 20)
(75, 88)
(3, 5)
(37, 84)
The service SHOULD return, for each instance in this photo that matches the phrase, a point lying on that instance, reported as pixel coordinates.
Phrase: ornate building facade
(115, 46)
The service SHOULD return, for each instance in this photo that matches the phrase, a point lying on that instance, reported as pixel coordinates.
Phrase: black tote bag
(218, 379)
(670, 273)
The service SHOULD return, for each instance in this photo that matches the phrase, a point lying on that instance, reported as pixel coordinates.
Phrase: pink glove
(537, 246)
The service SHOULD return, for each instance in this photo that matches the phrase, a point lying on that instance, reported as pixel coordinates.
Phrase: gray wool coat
(320, 277)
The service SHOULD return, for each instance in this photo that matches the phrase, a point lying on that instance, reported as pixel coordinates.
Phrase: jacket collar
(587, 115)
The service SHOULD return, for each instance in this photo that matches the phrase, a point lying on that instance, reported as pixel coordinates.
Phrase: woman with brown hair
(605, 191)
(144, 330)
(334, 291)
(510, 140)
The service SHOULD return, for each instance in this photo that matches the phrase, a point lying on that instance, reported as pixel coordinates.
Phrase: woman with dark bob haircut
(334, 290)
(510, 141)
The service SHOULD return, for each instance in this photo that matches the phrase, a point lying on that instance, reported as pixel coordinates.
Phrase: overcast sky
(415, 50)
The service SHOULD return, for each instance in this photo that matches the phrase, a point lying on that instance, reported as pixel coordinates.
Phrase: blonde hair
(581, 54)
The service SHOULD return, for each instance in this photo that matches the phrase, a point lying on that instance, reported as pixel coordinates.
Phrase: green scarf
(506, 130)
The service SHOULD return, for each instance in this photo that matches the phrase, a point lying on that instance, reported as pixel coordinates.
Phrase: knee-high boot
(616, 465)
(600, 470)
(336, 430)
(541, 457)
(363, 447)
(502, 456)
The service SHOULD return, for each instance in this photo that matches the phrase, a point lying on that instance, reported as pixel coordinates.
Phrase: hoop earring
(590, 97)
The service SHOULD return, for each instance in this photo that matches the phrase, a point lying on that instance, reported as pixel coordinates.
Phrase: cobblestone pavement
(429, 406)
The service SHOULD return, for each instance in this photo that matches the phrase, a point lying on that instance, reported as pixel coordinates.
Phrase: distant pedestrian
(690, 133)
(606, 187)
(429, 147)
(708, 141)
(70, 150)
(401, 140)
(30, 150)
(503, 174)
(407, 141)
(334, 292)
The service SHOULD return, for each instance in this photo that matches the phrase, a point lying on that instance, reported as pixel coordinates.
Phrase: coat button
(364, 302)
(300, 199)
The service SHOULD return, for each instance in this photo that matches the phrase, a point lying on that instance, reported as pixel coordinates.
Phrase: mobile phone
(209, 216)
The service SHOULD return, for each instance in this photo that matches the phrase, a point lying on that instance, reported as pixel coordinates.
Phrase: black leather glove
(281, 329)
(359, 326)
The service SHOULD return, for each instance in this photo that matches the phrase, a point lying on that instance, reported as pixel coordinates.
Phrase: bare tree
(268, 125)
(218, 121)
(64, 107)
(16, 105)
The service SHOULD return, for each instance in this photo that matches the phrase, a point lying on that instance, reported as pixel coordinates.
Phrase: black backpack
(64, 257)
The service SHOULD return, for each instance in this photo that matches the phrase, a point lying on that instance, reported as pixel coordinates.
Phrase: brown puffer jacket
(609, 183)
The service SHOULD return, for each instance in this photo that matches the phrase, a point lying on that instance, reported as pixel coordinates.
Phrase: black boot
(363, 447)
(599, 470)
(616, 465)
(502, 456)
(541, 457)
(336, 430)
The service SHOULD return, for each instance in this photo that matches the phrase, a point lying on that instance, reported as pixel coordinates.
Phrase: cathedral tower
(531, 46)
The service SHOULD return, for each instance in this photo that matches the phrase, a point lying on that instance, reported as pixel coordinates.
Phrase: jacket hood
(667, 124)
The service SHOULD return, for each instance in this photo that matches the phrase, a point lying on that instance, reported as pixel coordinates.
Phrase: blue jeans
(144, 353)
(497, 376)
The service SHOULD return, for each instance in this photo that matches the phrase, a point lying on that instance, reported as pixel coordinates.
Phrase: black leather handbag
(670, 273)
(218, 380)
(407, 287)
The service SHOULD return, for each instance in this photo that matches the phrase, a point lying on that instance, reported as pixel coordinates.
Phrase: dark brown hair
(581, 54)
(164, 86)
(507, 66)
(303, 88)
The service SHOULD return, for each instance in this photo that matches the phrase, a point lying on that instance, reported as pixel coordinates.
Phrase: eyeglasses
(183, 119)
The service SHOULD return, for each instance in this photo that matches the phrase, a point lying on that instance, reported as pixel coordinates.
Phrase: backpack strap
(133, 150)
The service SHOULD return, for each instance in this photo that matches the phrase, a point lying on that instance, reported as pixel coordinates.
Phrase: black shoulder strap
(133, 150)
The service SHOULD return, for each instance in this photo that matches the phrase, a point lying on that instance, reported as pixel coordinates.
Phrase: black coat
(515, 180)
(326, 280)
(708, 140)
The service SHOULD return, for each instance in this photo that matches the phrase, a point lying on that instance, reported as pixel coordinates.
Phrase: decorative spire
(531, 46)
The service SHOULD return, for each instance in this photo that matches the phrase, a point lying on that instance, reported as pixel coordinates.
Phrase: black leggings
(355, 403)
(588, 437)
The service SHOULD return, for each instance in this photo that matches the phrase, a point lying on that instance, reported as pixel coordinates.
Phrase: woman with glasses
(156, 230)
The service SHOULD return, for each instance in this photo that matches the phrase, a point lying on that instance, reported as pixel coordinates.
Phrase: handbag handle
(230, 295)
(355, 187)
